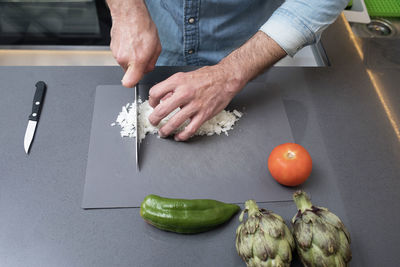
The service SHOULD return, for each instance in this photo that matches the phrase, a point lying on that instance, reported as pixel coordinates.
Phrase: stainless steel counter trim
(320, 55)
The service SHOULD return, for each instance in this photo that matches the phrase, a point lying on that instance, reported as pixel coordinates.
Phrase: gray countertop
(346, 114)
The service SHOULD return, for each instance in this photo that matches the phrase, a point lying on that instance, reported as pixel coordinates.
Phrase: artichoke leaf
(244, 245)
(277, 216)
(344, 247)
(274, 226)
(303, 233)
(284, 252)
(314, 257)
(289, 237)
(326, 237)
(242, 215)
(331, 218)
(261, 248)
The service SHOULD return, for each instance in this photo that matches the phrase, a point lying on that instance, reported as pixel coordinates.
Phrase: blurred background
(77, 32)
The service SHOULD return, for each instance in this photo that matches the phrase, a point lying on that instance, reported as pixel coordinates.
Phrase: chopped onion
(221, 123)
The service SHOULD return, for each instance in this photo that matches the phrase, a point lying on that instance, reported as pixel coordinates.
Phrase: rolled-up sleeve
(297, 23)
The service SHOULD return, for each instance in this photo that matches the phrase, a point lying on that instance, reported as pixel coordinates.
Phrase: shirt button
(191, 20)
(191, 51)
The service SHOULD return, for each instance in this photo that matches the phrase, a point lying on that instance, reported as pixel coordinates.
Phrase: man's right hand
(134, 39)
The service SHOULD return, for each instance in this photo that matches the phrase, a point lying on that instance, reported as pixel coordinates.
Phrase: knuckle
(185, 94)
(114, 53)
(178, 76)
(153, 119)
(163, 132)
(190, 130)
(174, 124)
(141, 59)
(150, 67)
(196, 105)
(120, 58)
(162, 111)
(152, 102)
(205, 115)
(153, 93)
(153, 122)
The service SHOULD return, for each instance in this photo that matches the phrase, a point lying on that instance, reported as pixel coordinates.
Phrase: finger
(166, 107)
(120, 60)
(132, 75)
(176, 121)
(119, 55)
(159, 91)
(156, 54)
(152, 63)
(149, 68)
(167, 96)
(124, 66)
(190, 129)
(123, 63)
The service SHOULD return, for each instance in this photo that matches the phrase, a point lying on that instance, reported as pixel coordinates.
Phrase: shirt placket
(191, 31)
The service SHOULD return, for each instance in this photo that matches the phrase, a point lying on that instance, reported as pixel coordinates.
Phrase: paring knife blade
(136, 128)
(35, 115)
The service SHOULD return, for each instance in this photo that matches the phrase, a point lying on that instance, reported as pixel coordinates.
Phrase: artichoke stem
(302, 201)
(252, 207)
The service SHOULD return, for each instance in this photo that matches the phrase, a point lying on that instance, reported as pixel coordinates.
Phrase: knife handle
(38, 101)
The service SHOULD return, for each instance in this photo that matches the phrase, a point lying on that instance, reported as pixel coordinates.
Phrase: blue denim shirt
(202, 32)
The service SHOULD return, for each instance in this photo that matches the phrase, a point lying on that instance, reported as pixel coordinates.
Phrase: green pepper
(186, 216)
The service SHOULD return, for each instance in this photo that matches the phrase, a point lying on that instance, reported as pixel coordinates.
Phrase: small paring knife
(35, 114)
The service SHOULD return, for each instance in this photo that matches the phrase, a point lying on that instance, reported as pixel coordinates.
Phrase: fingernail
(177, 139)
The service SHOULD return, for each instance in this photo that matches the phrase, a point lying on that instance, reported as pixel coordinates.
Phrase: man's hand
(202, 93)
(134, 39)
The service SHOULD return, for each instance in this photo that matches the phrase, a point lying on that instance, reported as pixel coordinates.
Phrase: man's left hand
(200, 95)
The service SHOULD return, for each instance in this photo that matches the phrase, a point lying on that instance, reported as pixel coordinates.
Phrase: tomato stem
(290, 154)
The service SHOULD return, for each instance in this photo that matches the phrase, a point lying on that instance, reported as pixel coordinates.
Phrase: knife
(136, 128)
(35, 115)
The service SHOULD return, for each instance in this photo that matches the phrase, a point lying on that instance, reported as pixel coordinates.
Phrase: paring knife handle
(38, 101)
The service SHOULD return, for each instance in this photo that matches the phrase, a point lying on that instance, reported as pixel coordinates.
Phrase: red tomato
(290, 164)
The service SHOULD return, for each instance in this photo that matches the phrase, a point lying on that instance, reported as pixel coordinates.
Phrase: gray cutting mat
(228, 168)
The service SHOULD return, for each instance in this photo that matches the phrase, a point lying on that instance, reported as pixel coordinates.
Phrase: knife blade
(136, 128)
(35, 115)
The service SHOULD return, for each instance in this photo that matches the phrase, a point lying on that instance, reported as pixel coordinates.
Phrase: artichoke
(321, 238)
(264, 239)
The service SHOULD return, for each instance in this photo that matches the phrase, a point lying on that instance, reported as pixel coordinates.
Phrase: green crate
(349, 5)
(383, 8)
